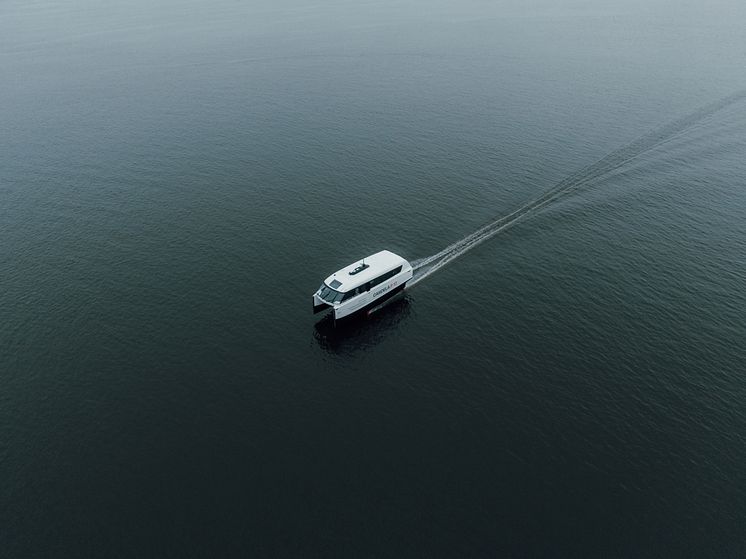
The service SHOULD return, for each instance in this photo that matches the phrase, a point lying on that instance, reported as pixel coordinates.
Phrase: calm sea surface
(176, 179)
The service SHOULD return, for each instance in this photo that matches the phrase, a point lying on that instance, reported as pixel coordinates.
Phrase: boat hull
(360, 311)
(319, 305)
(342, 312)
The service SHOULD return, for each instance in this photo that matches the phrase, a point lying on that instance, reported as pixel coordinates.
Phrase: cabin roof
(378, 263)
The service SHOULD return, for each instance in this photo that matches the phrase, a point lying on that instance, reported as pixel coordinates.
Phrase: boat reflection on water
(364, 331)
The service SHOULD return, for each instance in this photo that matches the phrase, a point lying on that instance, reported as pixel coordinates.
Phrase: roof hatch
(358, 269)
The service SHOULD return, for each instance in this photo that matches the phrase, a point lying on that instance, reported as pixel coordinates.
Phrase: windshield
(329, 295)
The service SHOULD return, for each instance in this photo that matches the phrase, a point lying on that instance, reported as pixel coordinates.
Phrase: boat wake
(425, 267)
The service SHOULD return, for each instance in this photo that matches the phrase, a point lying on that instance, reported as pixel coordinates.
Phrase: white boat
(363, 285)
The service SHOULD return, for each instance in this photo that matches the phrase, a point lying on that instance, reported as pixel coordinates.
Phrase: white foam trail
(425, 267)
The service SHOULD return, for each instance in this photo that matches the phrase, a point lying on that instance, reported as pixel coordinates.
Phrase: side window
(350, 294)
(382, 278)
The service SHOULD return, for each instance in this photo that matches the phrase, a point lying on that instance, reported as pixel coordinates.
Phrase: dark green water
(175, 182)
